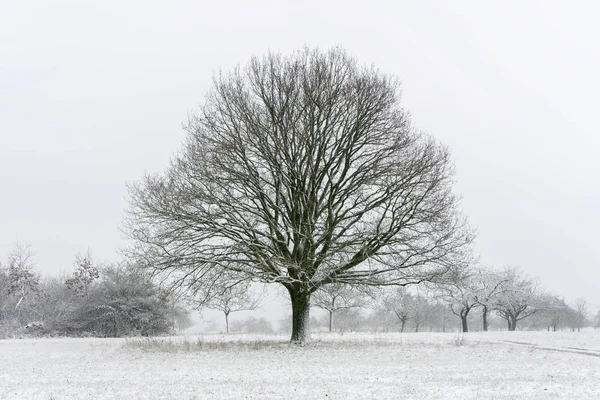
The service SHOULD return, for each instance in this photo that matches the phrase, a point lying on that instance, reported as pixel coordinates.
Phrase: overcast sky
(92, 94)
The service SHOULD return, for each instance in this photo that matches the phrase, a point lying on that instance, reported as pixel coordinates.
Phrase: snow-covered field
(351, 366)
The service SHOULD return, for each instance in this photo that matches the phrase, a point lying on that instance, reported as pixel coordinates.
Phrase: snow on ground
(587, 339)
(351, 366)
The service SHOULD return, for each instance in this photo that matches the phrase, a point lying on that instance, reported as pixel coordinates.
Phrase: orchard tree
(305, 171)
(234, 298)
(520, 298)
(461, 296)
(581, 311)
(254, 325)
(557, 312)
(488, 285)
(381, 318)
(336, 296)
(421, 312)
(402, 304)
(439, 316)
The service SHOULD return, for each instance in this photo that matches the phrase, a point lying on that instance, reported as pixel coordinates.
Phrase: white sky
(92, 94)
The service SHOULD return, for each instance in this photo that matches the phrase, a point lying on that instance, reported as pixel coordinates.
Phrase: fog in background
(93, 94)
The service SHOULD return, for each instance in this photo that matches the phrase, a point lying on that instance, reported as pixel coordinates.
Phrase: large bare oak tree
(302, 170)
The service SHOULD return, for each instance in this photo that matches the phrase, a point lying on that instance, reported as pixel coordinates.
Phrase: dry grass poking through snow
(186, 344)
(252, 342)
(378, 366)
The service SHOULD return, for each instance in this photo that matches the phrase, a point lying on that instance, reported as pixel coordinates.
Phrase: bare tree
(440, 316)
(461, 296)
(488, 285)
(22, 280)
(402, 304)
(305, 171)
(581, 312)
(233, 299)
(381, 318)
(557, 312)
(520, 298)
(336, 296)
(254, 325)
(84, 275)
(421, 312)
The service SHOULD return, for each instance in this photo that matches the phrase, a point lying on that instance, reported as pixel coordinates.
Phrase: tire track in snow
(574, 350)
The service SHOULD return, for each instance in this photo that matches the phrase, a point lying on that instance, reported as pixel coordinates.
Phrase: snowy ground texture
(543, 365)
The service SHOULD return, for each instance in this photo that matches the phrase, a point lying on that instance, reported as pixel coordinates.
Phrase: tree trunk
(403, 322)
(330, 321)
(512, 324)
(484, 313)
(19, 302)
(300, 315)
(463, 320)
(227, 322)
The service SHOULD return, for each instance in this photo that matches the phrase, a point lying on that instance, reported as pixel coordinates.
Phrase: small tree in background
(487, 285)
(19, 289)
(556, 313)
(581, 311)
(520, 298)
(22, 281)
(460, 294)
(381, 318)
(233, 299)
(402, 304)
(84, 275)
(440, 316)
(349, 320)
(253, 325)
(422, 312)
(335, 297)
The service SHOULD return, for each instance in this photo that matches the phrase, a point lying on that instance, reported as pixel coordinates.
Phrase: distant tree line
(474, 299)
(115, 300)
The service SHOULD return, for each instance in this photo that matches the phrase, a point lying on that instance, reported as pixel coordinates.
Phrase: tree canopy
(302, 170)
